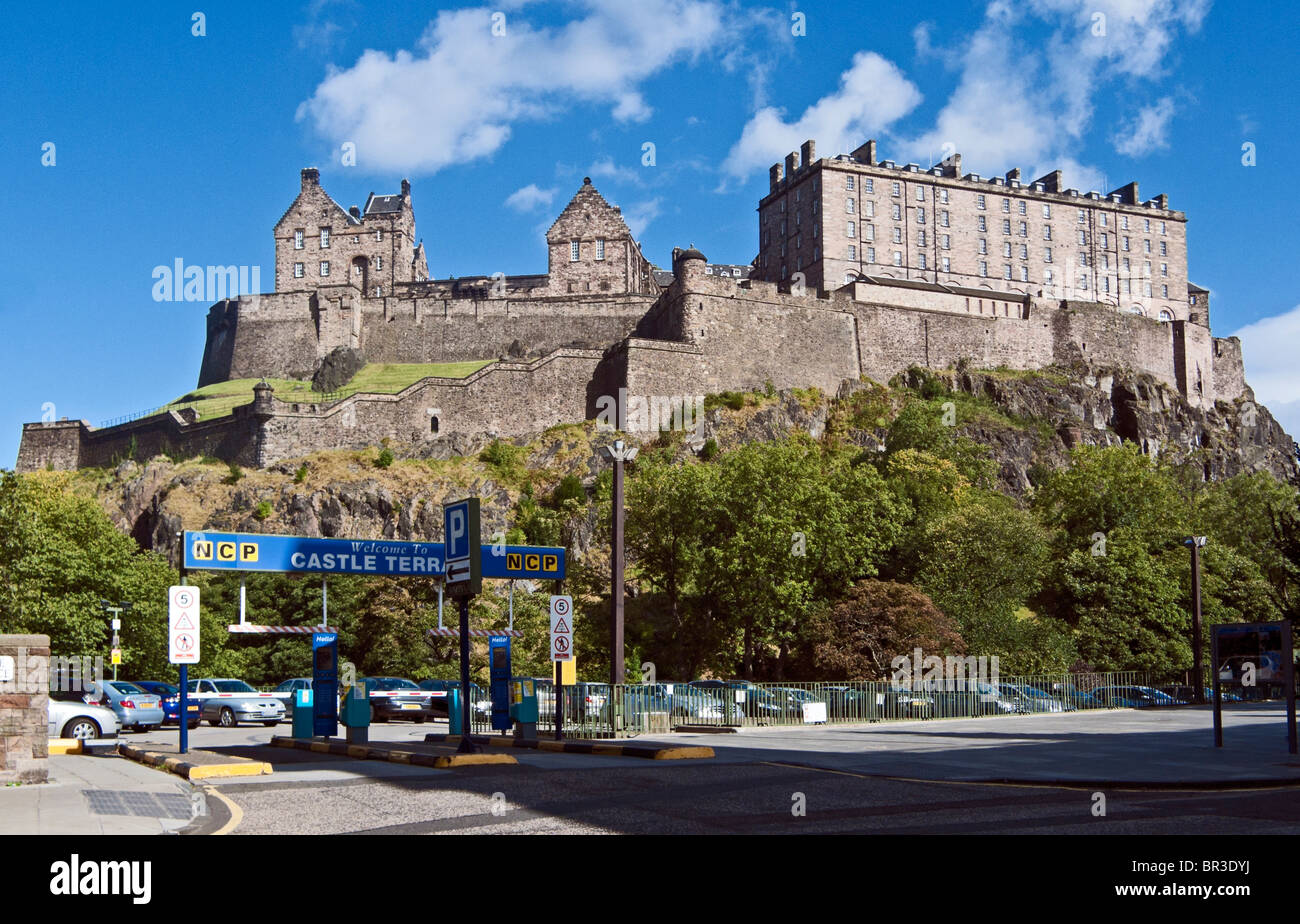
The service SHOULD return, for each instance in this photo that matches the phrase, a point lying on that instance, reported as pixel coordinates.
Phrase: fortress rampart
(598, 321)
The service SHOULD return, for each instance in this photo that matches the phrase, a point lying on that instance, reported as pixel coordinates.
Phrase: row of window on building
(299, 238)
(575, 250)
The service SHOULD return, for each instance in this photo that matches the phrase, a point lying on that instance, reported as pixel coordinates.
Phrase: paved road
(809, 780)
(911, 777)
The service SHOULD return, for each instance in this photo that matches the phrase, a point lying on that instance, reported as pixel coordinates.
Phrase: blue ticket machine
(499, 674)
(325, 683)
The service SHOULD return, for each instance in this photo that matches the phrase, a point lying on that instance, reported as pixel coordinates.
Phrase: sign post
(464, 576)
(1246, 654)
(561, 652)
(183, 645)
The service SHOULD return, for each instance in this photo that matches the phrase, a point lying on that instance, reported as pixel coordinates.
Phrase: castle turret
(688, 263)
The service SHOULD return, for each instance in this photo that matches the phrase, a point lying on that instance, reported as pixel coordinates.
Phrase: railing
(597, 710)
(139, 415)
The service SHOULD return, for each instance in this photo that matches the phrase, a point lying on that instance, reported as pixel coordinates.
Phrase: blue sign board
(325, 683)
(456, 528)
(303, 555)
(499, 674)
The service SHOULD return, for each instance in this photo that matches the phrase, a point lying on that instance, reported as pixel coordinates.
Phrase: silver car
(227, 702)
(134, 706)
(72, 717)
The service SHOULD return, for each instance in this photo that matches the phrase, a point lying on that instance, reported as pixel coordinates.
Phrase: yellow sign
(117, 656)
(568, 672)
(550, 563)
(248, 551)
(532, 562)
(227, 551)
(203, 550)
(514, 561)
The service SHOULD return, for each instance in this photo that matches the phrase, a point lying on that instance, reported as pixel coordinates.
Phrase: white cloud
(873, 94)
(1148, 131)
(529, 198)
(1268, 347)
(1020, 99)
(640, 214)
(606, 169)
(458, 94)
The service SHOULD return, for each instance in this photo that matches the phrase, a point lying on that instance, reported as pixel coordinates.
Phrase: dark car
(170, 694)
(397, 698)
(287, 693)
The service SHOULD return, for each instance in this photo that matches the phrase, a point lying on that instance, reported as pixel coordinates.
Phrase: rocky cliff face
(1030, 421)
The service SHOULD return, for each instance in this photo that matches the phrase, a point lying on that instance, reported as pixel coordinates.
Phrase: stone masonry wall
(24, 704)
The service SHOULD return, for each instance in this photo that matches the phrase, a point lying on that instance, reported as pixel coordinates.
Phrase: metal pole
(558, 670)
(324, 602)
(616, 624)
(1289, 655)
(241, 601)
(466, 746)
(1218, 714)
(440, 583)
(184, 714)
(1198, 665)
(511, 586)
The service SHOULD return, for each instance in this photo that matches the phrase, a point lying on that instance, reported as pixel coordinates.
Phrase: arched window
(1166, 314)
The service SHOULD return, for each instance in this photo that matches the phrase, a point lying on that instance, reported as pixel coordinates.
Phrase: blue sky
(170, 145)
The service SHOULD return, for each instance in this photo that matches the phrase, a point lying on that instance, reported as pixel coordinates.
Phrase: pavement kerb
(201, 769)
(66, 746)
(392, 755)
(603, 748)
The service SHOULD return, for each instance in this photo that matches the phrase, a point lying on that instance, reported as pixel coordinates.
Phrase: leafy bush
(385, 458)
(569, 488)
(710, 449)
(506, 460)
(263, 510)
(234, 473)
(301, 475)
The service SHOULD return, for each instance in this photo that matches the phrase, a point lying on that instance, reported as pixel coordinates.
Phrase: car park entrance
(245, 552)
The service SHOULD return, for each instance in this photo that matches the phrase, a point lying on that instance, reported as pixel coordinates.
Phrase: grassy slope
(379, 378)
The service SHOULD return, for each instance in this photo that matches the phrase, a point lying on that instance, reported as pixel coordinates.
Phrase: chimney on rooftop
(1162, 201)
(310, 177)
(791, 163)
(1051, 181)
(808, 152)
(1013, 174)
(1128, 193)
(354, 212)
(406, 189)
(866, 153)
(774, 178)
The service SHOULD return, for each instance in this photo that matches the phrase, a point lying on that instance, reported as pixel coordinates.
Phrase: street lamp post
(116, 613)
(618, 453)
(1196, 543)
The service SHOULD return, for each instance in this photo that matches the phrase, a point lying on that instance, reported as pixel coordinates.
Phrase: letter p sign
(455, 532)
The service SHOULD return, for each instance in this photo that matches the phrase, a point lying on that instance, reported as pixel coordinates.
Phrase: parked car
(440, 691)
(397, 698)
(287, 693)
(1134, 697)
(70, 716)
(744, 700)
(686, 701)
(170, 694)
(134, 707)
(227, 702)
(795, 699)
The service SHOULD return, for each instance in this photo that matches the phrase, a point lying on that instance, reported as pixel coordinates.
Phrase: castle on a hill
(864, 268)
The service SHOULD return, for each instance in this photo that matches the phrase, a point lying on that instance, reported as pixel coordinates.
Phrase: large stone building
(839, 218)
(603, 322)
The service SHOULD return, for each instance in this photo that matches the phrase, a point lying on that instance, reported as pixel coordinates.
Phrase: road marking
(236, 813)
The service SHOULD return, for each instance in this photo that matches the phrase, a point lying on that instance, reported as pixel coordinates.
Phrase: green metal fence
(599, 710)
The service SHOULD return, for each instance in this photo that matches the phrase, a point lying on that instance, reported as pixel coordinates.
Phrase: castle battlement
(603, 321)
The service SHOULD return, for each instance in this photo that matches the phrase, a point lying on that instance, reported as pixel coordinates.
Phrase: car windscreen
(392, 683)
(163, 689)
(232, 686)
(123, 687)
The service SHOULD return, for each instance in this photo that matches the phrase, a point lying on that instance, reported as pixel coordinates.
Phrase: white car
(226, 702)
(72, 717)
